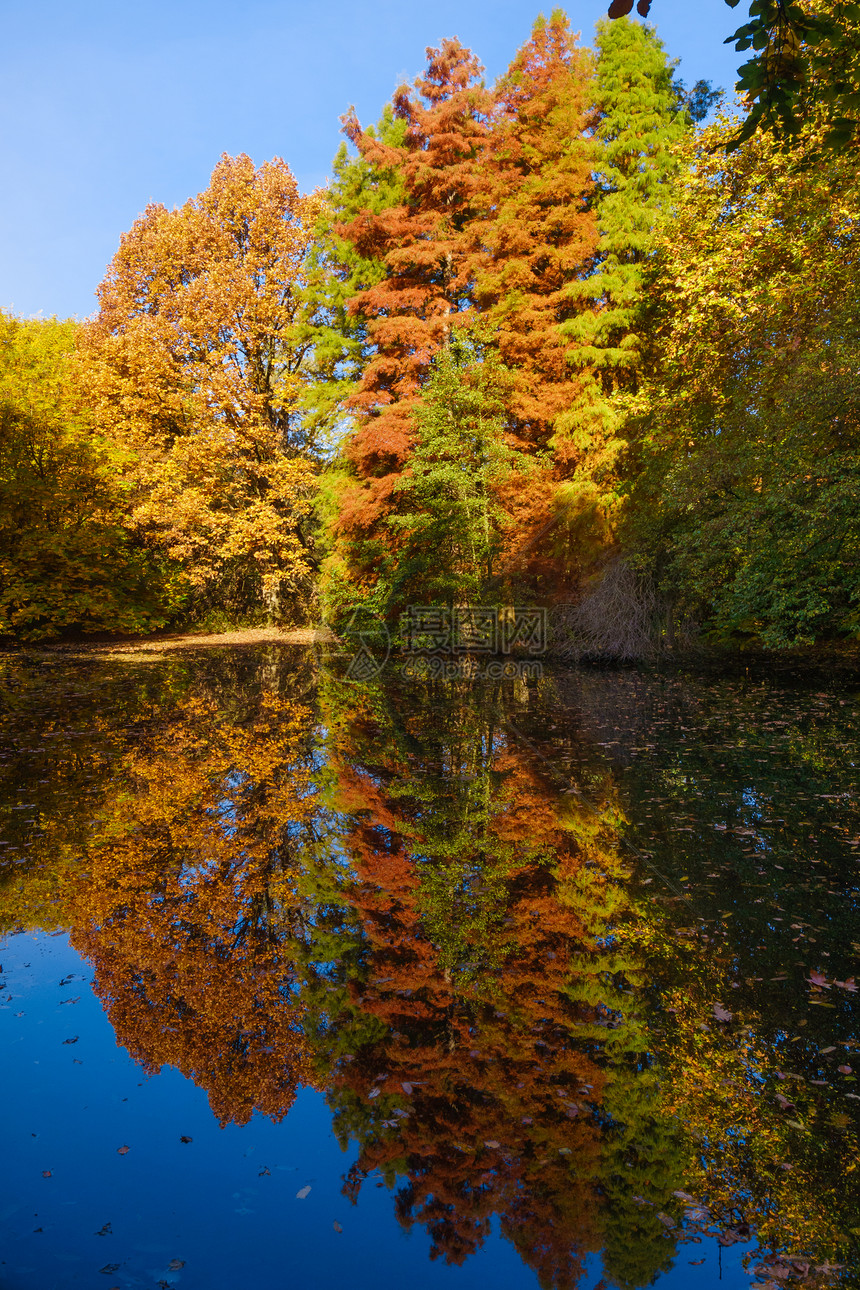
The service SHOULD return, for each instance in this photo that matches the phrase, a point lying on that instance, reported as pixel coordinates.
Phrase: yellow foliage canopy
(196, 365)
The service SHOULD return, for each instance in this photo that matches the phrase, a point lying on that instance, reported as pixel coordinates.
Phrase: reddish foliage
(538, 232)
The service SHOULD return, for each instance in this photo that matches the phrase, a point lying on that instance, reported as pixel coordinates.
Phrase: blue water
(475, 956)
(204, 1202)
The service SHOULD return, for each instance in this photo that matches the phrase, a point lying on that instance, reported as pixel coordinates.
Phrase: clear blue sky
(108, 104)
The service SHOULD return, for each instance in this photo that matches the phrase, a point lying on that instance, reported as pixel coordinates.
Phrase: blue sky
(108, 105)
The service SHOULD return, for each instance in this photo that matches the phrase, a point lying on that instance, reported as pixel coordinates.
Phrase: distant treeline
(548, 342)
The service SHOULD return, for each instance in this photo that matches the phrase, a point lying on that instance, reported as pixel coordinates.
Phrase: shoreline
(154, 646)
(842, 659)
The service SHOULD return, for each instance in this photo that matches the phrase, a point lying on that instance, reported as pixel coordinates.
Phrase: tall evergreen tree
(449, 521)
(642, 117)
(338, 272)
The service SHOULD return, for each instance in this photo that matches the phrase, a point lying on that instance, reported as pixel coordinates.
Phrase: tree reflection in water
(281, 878)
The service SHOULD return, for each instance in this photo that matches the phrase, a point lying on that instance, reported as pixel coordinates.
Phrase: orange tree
(422, 243)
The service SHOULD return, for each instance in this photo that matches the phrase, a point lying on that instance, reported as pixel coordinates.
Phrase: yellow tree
(197, 365)
(66, 560)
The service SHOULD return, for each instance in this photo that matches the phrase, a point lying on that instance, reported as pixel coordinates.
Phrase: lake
(544, 982)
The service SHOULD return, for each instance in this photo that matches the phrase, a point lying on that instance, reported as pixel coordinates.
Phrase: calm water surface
(314, 984)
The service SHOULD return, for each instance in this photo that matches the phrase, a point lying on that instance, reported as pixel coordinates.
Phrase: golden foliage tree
(197, 364)
(66, 559)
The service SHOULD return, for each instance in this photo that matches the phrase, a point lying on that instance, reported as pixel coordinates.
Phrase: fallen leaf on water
(683, 1195)
(491, 1143)
(72, 1041)
(105, 1231)
(695, 1263)
(301, 1195)
(407, 1088)
(110, 1267)
(337, 1227)
(666, 1220)
(264, 1173)
(184, 1139)
(46, 1173)
(844, 1070)
(123, 1151)
(721, 1013)
(374, 1092)
(175, 1264)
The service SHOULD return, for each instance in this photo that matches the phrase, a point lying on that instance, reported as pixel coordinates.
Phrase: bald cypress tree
(409, 311)
(537, 231)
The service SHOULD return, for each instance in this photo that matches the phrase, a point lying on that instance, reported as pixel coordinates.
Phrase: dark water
(315, 984)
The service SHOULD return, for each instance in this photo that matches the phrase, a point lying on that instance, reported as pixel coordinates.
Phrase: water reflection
(390, 893)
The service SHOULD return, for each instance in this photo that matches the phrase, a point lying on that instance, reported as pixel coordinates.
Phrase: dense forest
(584, 339)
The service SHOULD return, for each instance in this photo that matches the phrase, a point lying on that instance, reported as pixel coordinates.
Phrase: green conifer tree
(643, 114)
(448, 523)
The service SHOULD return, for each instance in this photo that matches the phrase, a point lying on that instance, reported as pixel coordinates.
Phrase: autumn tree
(537, 235)
(422, 243)
(197, 365)
(534, 243)
(746, 501)
(67, 560)
(338, 273)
